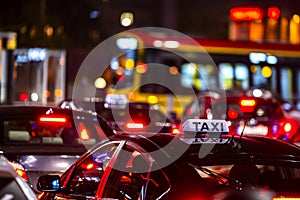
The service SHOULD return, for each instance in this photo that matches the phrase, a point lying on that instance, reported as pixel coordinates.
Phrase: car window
(87, 176)
(20, 131)
(278, 177)
(133, 177)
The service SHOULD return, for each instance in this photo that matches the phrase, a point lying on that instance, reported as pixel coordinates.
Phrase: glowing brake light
(248, 102)
(247, 105)
(83, 132)
(288, 126)
(135, 125)
(53, 119)
(286, 198)
(90, 166)
(175, 131)
(19, 169)
(232, 114)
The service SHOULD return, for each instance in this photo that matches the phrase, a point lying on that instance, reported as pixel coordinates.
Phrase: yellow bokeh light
(266, 71)
(152, 99)
(58, 92)
(296, 18)
(129, 64)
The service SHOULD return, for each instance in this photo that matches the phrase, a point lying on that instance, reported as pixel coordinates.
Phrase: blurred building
(263, 24)
(84, 24)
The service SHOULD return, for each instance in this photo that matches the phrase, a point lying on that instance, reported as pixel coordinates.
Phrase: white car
(13, 186)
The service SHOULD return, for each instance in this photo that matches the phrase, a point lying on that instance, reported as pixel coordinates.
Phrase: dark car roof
(246, 144)
(36, 110)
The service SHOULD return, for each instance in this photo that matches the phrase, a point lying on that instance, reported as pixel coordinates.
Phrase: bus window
(258, 79)
(286, 83)
(122, 69)
(199, 76)
(226, 75)
(242, 76)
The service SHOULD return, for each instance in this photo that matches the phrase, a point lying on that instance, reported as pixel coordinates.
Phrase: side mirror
(48, 183)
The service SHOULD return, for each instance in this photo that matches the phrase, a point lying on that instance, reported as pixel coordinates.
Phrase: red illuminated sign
(246, 14)
(273, 13)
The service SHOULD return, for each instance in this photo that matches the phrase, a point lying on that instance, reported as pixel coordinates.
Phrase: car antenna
(242, 133)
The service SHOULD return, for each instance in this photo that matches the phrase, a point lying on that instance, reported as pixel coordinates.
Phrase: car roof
(32, 110)
(235, 144)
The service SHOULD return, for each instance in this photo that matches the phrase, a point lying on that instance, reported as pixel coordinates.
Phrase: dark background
(74, 28)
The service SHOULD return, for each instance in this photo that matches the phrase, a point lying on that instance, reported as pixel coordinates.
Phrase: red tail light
(288, 127)
(247, 105)
(175, 131)
(53, 119)
(286, 198)
(83, 132)
(19, 169)
(232, 114)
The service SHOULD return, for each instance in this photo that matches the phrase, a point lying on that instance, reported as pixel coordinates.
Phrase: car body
(128, 116)
(12, 186)
(247, 113)
(41, 139)
(188, 166)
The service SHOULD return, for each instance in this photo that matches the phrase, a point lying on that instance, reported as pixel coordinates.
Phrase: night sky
(84, 23)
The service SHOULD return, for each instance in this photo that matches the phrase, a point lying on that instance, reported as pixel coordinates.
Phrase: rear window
(50, 131)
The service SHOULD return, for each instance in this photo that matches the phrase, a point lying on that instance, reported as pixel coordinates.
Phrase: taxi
(203, 162)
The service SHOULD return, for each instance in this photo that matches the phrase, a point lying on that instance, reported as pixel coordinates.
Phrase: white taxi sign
(205, 126)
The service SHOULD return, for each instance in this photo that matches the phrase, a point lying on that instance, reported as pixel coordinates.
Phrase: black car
(47, 140)
(203, 163)
(128, 116)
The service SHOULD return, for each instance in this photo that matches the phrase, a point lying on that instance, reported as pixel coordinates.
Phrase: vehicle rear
(43, 140)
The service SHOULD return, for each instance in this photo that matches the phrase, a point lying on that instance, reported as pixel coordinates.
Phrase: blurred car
(203, 163)
(128, 116)
(258, 113)
(47, 140)
(13, 186)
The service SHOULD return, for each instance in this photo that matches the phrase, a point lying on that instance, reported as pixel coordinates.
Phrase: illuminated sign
(273, 13)
(205, 125)
(246, 14)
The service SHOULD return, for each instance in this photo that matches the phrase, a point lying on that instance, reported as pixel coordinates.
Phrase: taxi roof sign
(205, 126)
